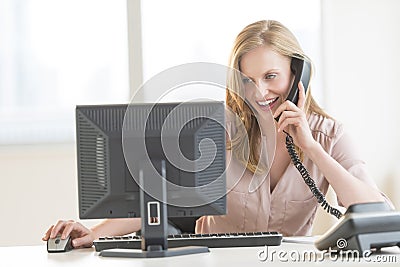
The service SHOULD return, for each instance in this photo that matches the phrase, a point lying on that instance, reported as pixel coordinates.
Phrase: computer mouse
(55, 245)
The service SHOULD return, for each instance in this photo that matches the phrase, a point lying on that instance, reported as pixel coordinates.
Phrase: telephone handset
(302, 70)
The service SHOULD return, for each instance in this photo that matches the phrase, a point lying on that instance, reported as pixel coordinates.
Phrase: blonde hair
(282, 41)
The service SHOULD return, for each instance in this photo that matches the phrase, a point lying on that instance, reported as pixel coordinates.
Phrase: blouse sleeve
(346, 154)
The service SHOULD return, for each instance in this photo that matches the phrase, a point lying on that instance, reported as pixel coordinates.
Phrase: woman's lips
(268, 103)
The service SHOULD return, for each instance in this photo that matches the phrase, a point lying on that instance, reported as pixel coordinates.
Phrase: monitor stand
(154, 220)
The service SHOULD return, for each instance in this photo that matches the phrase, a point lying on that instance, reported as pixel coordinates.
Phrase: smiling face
(267, 78)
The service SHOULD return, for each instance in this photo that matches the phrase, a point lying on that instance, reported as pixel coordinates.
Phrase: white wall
(361, 55)
(361, 68)
(362, 71)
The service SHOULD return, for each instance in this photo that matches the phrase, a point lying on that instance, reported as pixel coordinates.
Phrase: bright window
(55, 55)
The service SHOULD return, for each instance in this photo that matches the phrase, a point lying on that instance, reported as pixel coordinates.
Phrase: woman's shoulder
(325, 126)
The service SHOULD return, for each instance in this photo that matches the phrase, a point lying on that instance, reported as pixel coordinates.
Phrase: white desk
(38, 256)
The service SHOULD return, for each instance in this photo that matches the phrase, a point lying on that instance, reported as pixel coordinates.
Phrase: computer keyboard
(209, 240)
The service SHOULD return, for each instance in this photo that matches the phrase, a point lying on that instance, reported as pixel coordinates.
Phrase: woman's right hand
(81, 236)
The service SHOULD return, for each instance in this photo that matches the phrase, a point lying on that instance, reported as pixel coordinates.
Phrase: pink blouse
(290, 208)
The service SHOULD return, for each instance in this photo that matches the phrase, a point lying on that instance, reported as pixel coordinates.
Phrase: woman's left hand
(293, 120)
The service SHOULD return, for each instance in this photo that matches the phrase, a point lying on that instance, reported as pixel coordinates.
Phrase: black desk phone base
(363, 227)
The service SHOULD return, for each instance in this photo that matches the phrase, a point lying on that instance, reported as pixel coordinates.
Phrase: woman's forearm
(116, 227)
(348, 188)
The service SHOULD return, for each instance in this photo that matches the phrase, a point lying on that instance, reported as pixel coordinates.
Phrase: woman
(282, 202)
(279, 200)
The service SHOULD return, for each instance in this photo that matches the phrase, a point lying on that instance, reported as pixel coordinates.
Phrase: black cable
(307, 178)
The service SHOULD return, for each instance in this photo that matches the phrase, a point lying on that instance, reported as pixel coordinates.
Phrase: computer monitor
(110, 140)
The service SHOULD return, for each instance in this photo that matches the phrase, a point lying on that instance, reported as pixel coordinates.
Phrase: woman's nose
(262, 87)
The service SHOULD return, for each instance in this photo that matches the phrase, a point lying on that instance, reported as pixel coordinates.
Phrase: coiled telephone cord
(307, 178)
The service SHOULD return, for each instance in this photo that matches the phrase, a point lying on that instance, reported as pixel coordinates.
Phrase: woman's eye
(270, 76)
